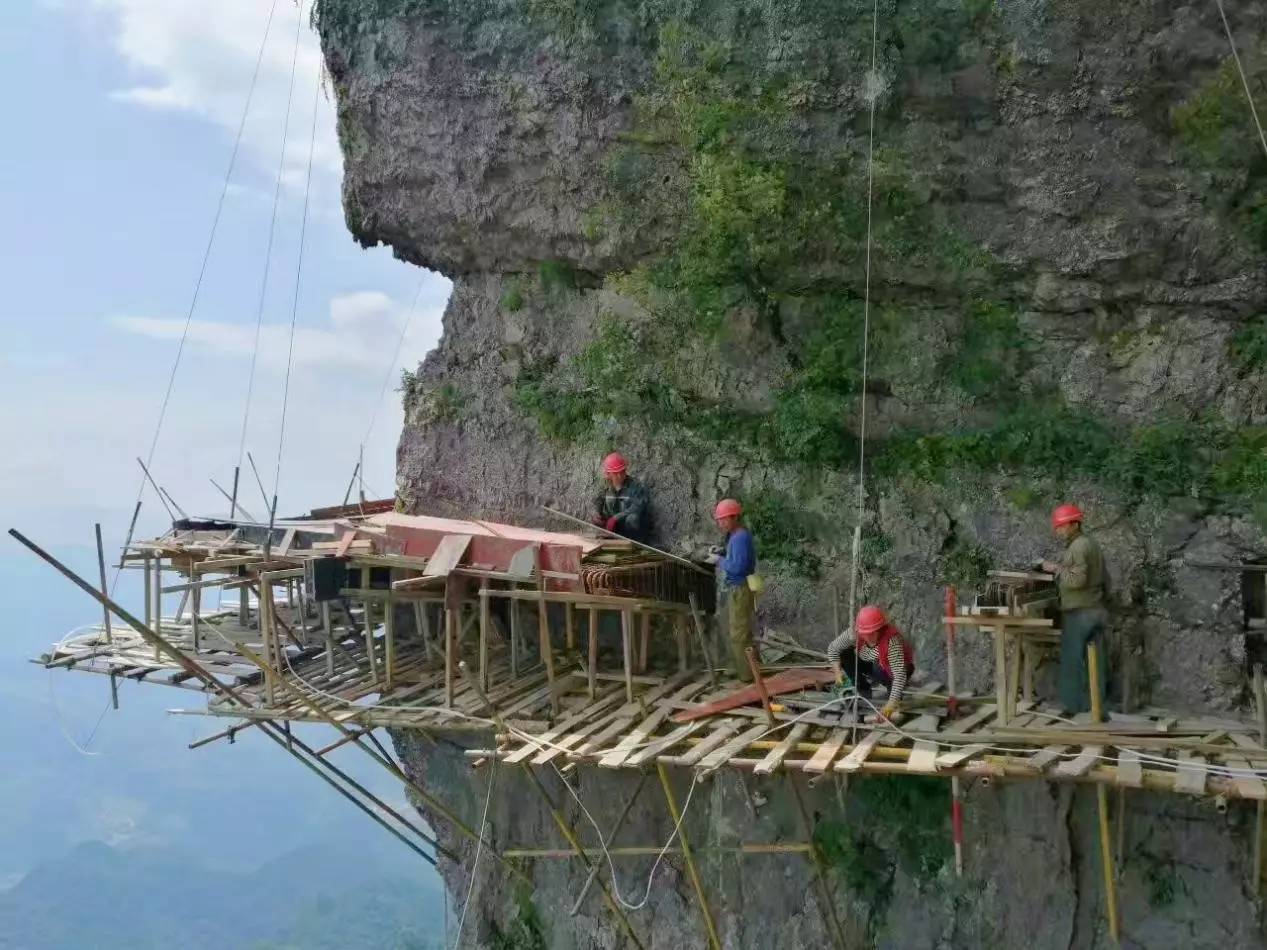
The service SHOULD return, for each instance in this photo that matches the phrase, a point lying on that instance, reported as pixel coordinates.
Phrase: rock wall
(655, 217)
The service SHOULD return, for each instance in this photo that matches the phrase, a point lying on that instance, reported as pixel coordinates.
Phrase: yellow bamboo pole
(713, 940)
(1102, 799)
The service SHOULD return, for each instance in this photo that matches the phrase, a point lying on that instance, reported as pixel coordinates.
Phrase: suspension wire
(294, 309)
(873, 93)
(475, 865)
(1240, 69)
(387, 372)
(206, 254)
(268, 250)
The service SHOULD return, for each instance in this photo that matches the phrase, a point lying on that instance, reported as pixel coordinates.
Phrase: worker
(623, 506)
(873, 651)
(735, 564)
(1083, 582)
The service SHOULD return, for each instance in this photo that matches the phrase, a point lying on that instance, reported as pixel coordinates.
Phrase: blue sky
(120, 119)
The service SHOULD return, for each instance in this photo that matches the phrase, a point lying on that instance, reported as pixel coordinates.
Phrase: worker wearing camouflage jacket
(1083, 582)
(624, 505)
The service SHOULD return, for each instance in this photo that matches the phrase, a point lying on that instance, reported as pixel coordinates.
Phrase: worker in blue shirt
(736, 565)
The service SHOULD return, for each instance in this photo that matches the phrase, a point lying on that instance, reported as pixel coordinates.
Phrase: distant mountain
(314, 898)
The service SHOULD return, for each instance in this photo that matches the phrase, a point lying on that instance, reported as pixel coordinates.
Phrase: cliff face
(654, 214)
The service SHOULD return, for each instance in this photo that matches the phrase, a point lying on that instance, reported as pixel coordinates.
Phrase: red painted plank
(788, 681)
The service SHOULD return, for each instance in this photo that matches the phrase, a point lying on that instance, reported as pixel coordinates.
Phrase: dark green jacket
(631, 506)
(1082, 578)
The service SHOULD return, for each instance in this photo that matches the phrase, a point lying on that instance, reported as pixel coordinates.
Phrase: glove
(713, 558)
(597, 521)
(889, 711)
(611, 523)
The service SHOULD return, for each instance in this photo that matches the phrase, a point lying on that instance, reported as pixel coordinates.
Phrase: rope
(268, 250)
(294, 309)
(873, 92)
(387, 374)
(479, 847)
(1240, 69)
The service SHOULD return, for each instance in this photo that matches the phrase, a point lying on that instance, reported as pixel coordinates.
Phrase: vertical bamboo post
(593, 651)
(370, 624)
(543, 631)
(485, 623)
(450, 619)
(389, 642)
(513, 609)
(683, 651)
(1102, 800)
(570, 624)
(194, 616)
(244, 607)
(327, 628)
(626, 632)
(1002, 693)
(266, 637)
(1260, 818)
(952, 707)
(703, 640)
(149, 595)
(645, 642)
(713, 940)
(157, 588)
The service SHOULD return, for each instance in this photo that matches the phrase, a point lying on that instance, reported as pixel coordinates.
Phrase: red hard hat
(613, 464)
(870, 619)
(1066, 514)
(727, 508)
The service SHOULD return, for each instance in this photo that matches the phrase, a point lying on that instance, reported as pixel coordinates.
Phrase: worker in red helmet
(873, 651)
(735, 565)
(624, 505)
(1083, 582)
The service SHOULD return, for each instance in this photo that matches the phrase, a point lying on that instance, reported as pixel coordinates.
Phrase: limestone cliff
(654, 214)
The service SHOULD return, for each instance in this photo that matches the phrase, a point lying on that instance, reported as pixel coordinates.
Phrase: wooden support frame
(592, 667)
(1102, 801)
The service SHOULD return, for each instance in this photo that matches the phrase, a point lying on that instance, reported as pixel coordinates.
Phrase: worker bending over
(873, 651)
(735, 565)
(1084, 587)
(623, 506)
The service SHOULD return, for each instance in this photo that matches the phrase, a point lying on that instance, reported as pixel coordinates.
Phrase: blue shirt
(740, 559)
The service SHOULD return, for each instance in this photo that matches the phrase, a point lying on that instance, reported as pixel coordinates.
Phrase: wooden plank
(595, 744)
(564, 725)
(1190, 778)
(923, 758)
(968, 723)
(827, 750)
(956, 757)
(1247, 786)
(1130, 771)
(665, 743)
(785, 682)
(448, 555)
(634, 739)
(853, 761)
(1045, 756)
(1081, 764)
(724, 730)
(720, 757)
(774, 758)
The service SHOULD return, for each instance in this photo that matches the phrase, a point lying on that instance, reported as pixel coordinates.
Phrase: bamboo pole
(543, 632)
(757, 678)
(559, 820)
(1260, 815)
(819, 865)
(197, 671)
(675, 814)
(569, 622)
(952, 709)
(105, 613)
(485, 624)
(626, 632)
(1102, 800)
(703, 640)
(389, 643)
(611, 836)
(593, 651)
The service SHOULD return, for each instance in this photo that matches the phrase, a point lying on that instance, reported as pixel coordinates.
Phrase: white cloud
(188, 56)
(361, 333)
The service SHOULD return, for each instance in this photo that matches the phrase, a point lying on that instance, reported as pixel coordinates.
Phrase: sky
(120, 125)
